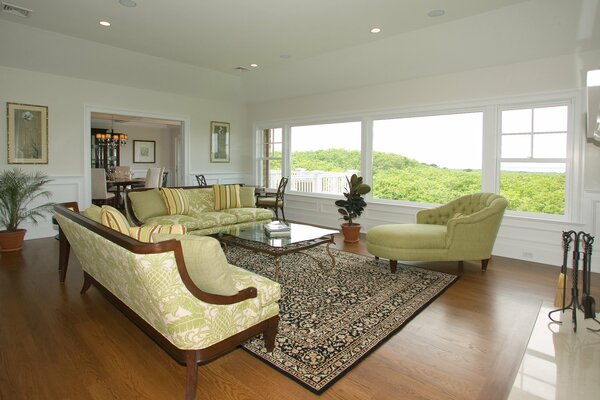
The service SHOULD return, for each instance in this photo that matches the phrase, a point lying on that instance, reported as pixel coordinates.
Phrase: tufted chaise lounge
(464, 229)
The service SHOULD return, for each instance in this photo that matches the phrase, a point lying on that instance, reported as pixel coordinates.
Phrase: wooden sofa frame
(190, 358)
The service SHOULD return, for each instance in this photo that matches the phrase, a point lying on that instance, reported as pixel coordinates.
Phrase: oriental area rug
(330, 321)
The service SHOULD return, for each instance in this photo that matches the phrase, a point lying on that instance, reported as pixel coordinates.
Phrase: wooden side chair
(275, 202)
(201, 180)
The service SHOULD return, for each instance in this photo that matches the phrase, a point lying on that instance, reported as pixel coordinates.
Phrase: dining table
(121, 184)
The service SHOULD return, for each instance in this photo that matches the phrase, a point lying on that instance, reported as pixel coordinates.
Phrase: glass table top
(298, 233)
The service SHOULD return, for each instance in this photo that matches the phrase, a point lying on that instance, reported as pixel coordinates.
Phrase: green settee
(164, 288)
(464, 229)
(201, 216)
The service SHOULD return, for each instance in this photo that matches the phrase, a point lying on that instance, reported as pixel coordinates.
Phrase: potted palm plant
(18, 189)
(352, 207)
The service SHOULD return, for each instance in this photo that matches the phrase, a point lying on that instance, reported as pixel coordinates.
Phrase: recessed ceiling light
(254, 65)
(436, 13)
(104, 23)
(127, 3)
(375, 30)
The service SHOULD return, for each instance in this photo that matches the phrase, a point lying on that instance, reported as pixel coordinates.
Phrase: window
(323, 155)
(428, 159)
(533, 158)
(271, 157)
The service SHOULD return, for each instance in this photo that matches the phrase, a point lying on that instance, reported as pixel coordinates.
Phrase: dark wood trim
(64, 246)
(138, 247)
(189, 358)
(484, 264)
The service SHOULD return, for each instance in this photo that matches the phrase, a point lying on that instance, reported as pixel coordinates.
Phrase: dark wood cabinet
(104, 156)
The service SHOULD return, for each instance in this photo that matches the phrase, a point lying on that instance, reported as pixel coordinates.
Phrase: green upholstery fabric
(94, 213)
(201, 219)
(207, 265)
(464, 229)
(250, 214)
(147, 204)
(151, 286)
(247, 196)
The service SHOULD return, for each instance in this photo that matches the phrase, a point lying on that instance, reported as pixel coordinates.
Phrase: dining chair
(275, 202)
(123, 172)
(201, 180)
(99, 193)
(154, 177)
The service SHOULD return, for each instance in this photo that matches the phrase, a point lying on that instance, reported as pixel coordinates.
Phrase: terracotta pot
(351, 232)
(11, 241)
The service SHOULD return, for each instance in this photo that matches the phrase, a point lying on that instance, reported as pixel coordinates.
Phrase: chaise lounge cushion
(414, 236)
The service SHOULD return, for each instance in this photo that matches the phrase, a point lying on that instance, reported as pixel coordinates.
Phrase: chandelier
(110, 139)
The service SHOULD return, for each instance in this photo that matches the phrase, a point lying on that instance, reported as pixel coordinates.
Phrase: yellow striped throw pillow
(176, 201)
(226, 196)
(144, 233)
(113, 218)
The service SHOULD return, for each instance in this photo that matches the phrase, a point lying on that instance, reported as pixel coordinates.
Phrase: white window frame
(491, 109)
(572, 159)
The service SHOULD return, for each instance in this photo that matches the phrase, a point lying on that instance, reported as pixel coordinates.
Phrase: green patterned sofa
(154, 285)
(145, 206)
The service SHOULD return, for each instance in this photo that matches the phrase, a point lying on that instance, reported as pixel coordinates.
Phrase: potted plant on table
(18, 189)
(352, 207)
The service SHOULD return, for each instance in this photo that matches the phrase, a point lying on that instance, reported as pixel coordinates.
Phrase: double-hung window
(533, 158)
(271, 157)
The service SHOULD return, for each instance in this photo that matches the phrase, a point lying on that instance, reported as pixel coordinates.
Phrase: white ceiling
(191, 47)
(223, 34)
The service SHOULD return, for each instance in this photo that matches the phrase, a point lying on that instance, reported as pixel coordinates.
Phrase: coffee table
(301, 237)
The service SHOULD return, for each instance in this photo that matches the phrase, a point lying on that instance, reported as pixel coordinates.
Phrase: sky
(451, 141)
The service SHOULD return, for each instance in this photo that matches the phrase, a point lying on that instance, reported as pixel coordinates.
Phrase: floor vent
(16, 10)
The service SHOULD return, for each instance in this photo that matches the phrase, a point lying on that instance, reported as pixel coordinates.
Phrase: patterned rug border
(327, 386)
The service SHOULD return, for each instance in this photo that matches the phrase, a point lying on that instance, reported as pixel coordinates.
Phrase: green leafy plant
(354, 204)
(18, 189)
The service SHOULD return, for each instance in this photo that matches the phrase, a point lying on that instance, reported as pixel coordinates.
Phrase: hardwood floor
(58, 344)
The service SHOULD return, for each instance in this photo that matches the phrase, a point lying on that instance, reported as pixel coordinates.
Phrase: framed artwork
(144, 151)
(27, 131)
(219, 141)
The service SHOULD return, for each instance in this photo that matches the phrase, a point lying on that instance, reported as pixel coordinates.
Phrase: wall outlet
(527, 254)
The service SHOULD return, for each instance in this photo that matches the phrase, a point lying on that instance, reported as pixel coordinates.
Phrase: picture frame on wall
(219, 141)
(144, 151)
(27, 132)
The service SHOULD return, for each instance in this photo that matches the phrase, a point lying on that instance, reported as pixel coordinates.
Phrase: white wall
(66, 99)
(518, 238)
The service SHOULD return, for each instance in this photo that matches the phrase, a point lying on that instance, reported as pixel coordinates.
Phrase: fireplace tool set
(587, 304)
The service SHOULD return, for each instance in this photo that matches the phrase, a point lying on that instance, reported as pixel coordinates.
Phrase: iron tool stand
(577, 238)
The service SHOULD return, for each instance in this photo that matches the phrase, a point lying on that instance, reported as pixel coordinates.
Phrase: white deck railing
(313, 181)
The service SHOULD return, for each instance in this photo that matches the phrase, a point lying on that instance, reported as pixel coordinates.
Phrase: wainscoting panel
(64, 188)
(519, 238)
